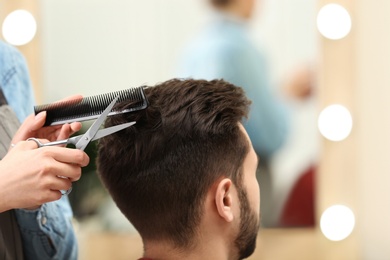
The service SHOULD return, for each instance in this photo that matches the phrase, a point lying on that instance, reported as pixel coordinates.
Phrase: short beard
(249, 227)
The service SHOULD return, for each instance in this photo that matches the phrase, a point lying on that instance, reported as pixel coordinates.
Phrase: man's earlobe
(224, 199)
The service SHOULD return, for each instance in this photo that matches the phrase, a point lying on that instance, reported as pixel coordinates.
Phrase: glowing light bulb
(335, 122)
(334, 21)
(337, 222)
(19, 27)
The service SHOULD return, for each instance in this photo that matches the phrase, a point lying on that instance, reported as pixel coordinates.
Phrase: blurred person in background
(185, 174)
(35, 218)
(294, 166)
(224, 49)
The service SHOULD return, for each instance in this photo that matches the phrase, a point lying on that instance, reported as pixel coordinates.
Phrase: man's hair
(159, 170)
(220, 3)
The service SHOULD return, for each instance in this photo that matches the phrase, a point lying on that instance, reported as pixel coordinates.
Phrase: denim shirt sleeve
(47, 232)
(15, 81)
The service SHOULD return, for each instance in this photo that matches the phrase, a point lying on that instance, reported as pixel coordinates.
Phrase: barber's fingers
(75, 127)
(60, 163)
(68, 129)
(29, 126)
(68, 171)
(74, 99)
(60, 183)
(45, 197)
(47, 189)
(53, 182)
(56, 161)
(38, 122)
(61, 154)
(67, 155)
(27, 145)
(33, 124)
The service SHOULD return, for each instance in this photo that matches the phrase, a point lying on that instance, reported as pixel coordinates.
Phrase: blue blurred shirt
(224, 50)
(47, 232)
(15, 81)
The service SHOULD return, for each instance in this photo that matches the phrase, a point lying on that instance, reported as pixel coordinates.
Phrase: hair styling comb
(91, 107)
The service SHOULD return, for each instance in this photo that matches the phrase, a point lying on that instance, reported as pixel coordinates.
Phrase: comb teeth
(91, 107)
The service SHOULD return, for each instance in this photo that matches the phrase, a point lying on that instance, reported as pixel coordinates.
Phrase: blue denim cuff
(47, 232)
(38, 220)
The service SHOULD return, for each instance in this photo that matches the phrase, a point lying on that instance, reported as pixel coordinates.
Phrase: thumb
(39, 121)
(30, 125)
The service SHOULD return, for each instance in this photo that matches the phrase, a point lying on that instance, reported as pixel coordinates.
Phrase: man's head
(186, 147)
(241, 8)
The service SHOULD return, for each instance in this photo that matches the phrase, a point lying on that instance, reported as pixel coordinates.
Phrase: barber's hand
(301, 83)
(33, 127)
(29, 176)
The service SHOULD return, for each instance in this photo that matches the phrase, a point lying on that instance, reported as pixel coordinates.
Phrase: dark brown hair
(159, 170)
(220, 3)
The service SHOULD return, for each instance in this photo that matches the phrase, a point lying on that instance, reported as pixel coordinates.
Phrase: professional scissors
(92, 134)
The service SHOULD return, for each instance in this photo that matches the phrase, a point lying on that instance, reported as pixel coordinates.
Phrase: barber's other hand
(301, 83)
(29, 176)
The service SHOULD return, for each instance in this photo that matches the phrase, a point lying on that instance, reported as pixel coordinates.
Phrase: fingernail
(40, 115)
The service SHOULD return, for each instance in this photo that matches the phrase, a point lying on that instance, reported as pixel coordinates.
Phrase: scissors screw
(86, 138)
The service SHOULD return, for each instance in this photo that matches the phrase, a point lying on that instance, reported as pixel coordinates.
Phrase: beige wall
(372, 88)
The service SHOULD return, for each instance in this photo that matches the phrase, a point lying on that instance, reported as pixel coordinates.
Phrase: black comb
(91, 107)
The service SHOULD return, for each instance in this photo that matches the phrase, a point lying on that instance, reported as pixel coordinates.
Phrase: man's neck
(208, 249)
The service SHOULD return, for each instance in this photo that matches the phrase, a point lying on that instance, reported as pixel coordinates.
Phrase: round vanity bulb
(337, 222)
(19, 27)
(334, 21)
(335, 122)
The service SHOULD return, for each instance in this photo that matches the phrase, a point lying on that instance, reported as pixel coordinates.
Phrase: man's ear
(224, 199)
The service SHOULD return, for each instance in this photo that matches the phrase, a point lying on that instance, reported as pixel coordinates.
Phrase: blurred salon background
(325, 192)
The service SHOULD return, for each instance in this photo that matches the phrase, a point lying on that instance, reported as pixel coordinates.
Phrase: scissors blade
(90, 134)
(100, 134)
(110, 130)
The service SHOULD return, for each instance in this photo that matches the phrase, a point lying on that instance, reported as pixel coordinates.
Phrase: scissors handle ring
(66, 192)
(59, 142)
(36, 141)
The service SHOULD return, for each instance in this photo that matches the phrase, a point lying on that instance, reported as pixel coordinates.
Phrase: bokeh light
(19, 27)
(334, 21)
(337, 222)
(335, 122)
